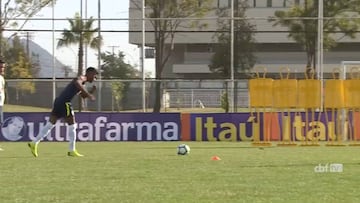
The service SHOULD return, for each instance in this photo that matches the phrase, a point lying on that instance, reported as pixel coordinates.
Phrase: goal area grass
(153, 172)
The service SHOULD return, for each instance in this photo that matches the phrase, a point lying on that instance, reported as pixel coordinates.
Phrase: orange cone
(215, 158)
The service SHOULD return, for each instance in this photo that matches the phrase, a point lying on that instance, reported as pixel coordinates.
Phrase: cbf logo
(332, 168)
(13, 128)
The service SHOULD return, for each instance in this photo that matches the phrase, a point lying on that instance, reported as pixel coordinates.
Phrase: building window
(284, 3)
(224, 3)
(201, 48)
(200, 2)
(269, 3)
(254, 3)
(297, 2)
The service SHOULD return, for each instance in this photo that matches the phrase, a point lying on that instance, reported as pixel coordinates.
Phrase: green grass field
(18, 108)
(152, 172)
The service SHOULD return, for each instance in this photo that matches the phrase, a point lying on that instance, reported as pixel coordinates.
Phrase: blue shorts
(62, 109)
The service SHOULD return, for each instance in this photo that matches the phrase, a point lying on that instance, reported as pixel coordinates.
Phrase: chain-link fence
(197, 51)
(175, 94)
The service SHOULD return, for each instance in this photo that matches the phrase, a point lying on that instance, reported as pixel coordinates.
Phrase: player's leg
(1, 115)
(2, 98)
(72, 126)
(1, 120)
(56, 113)
(43, 132)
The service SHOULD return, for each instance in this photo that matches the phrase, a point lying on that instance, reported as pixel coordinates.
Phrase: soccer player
(62, 109)
(2, 92)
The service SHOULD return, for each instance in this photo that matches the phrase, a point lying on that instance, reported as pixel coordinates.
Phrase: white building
(193, 50)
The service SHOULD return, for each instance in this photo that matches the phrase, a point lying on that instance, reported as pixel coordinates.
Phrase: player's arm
(79, 83)
(93, 89)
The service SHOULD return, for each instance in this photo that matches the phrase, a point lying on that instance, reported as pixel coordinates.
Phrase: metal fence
(202, 98)
(193, 49)
(175, 94)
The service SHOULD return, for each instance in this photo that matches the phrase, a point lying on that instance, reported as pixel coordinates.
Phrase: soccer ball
(183, 149)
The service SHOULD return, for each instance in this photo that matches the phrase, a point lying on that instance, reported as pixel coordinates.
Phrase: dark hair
(91, 69)
(2, 61)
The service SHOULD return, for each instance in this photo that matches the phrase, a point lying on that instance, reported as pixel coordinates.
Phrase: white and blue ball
(183, 149)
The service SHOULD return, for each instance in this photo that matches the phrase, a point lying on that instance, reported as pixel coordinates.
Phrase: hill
(46, 62)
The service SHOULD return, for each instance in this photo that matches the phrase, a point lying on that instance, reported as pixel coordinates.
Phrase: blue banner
(95, 127)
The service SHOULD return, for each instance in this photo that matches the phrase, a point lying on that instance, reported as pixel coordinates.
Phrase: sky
(113, 41)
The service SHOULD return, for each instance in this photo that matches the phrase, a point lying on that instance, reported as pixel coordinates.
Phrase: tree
(114, 67)
(304, 31)
(19, 66)
(81, 33)
(244, 43)
(167, 17)
(21, 69)
(11, 9)
(35, 64)
(244, 47)
(118, 91)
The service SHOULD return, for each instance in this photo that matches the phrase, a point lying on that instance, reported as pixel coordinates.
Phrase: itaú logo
(332, 168)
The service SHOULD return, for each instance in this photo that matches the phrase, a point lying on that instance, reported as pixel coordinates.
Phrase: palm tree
(81, 33)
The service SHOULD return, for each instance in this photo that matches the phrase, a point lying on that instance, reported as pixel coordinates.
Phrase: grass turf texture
(152, 172)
